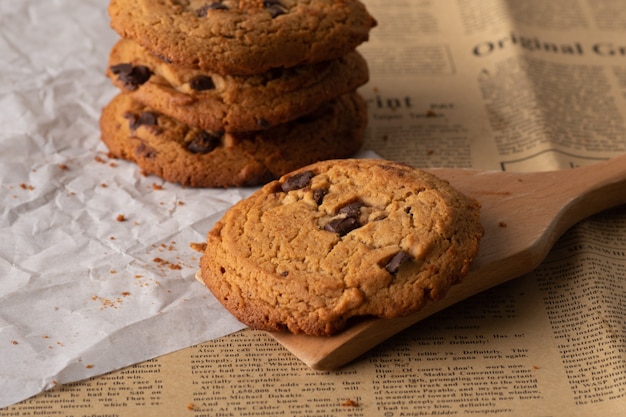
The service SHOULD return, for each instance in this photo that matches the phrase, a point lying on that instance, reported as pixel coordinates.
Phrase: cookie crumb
(198, 247)
(120, 218)
(15, 342)
(89, 366)
(163, 263)
(191, 406)
(63, 167)
(349, 403)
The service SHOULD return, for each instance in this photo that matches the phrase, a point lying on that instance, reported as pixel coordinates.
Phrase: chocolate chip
(147, 119)
(202, 11)
(262, 123)
(342, 226)
(124, 68)
(131, 76)
(297, 181)
(144, 119)
(352, 209)
(201, 83)
(318, 195)
(204, 142)
(145, 151)
(274, 7)
(398, 259)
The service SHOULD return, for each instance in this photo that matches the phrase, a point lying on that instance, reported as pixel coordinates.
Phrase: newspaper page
(506, 85)
(515, 85)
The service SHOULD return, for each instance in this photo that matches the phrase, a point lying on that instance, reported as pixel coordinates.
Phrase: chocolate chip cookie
(243, 36)
(338, 240)
(194, 157)
(212, 101)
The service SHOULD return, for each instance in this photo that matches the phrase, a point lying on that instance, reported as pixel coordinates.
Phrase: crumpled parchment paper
(96, 271)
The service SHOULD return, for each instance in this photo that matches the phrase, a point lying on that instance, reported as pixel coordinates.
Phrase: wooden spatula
(523, 215)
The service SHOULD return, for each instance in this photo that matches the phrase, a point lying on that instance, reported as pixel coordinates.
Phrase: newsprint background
(491, 84)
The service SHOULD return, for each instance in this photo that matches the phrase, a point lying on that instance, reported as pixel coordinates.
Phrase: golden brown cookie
(338, 240)
(235, 103)
(193, 157)
(243, 36)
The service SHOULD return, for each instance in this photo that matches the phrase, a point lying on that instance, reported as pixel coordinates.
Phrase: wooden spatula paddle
(523, 215)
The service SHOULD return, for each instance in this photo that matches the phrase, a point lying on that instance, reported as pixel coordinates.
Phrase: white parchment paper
(96, 272)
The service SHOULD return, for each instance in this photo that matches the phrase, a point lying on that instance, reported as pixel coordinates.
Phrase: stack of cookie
(235, 92)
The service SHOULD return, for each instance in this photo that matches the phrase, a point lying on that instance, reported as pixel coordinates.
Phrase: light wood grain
(523, 215)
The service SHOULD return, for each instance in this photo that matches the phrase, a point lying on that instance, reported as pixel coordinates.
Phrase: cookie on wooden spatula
(338, 240)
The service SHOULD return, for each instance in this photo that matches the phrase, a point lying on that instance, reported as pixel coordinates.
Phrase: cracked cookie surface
(235, 103)
(338, 240)
(193, 157)
(243, 36)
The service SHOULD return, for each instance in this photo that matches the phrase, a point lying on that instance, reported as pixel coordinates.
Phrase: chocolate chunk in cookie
(131, 76)
(342, 226)
(145, 118)
(204, 10)
(398, 259)
(274, 7)
(297, 181)
(204, 142)
(202, 83)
